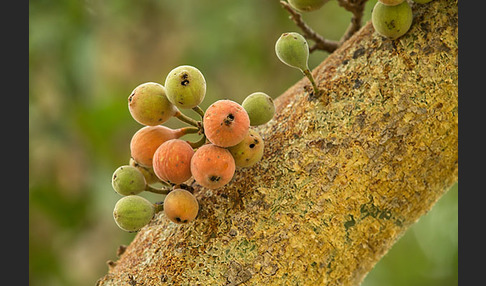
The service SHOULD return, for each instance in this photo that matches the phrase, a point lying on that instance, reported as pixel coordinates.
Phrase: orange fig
(226, 123)
(212, 166)
(180, 206)
(172, 161)
(147, 139)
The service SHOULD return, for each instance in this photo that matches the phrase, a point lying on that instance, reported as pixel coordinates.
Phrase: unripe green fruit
(147, 172)
(391, 2)
(149, 105)
(392, 21)
(422, 1)
(249, 151)
(260, 108)
(180, 206)
(292, 49)
(185, 86)
(133, 212)
(128, 180)
(307, 5)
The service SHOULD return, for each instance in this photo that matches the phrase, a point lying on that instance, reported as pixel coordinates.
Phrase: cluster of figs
(162, 161)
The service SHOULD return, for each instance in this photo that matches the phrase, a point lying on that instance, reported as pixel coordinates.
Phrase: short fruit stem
(184, 118)
(163, 190)
(199, 111)
(198, 143)
(189, 130)
(308, 74)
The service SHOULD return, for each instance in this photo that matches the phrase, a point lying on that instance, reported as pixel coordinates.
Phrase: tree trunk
(339, 183)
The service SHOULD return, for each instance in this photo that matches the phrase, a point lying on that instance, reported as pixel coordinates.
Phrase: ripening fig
(307, 5)
(148, 104)
(185, 86)
(391, 2)
(172, 161)
(212, 166)
(292, 49)
(133, 212)
(128, 180)
(180, 206)
(147, 172)
(260, 108)
(226, 123)
(147, 139)
(249, 151)
(392, 21)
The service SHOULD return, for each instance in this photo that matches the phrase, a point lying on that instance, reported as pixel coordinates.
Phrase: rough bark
(338, 185)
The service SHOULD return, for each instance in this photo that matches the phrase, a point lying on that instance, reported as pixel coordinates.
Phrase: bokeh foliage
(85, 58)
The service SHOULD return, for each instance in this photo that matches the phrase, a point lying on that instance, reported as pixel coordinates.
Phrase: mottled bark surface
(339, 183)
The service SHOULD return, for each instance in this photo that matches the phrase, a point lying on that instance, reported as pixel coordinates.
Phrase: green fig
(392, 21)
(128, 180)
(391, 2)
(185, 86)
(260, 108)
(249, 151)
(133, 212)
(292, 49)
(147, 172)
(148, 104)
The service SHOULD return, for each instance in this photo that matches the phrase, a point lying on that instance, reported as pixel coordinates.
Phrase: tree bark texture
(339, 183)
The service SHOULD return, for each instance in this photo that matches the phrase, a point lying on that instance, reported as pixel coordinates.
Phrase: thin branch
(356, 7)
(320, 42)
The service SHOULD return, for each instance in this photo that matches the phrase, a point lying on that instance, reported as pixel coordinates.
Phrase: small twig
(121, 249)
(313, 48)
(320, 42)
(356, 7)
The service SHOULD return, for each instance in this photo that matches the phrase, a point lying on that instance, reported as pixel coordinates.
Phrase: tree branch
(356, 7)
(338, 185)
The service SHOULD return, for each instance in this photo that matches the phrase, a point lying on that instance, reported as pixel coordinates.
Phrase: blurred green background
(85, 58)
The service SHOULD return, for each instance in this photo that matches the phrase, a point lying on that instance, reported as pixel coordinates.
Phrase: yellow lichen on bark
(339, 183)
